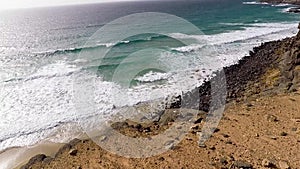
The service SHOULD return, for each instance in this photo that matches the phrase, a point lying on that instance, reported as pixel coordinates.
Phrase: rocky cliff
(296, 2)
(272, 68)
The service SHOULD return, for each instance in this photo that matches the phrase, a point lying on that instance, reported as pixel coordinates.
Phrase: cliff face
(272, 68)
(296, 2)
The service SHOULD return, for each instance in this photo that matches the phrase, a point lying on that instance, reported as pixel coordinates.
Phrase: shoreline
(18, 156)
(295, 3)
(251, 76)
(292, 2)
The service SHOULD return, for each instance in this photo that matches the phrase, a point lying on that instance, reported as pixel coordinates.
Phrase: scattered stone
(283, 165)
(267, 163)
(283, 134)
(271, 118)
(225, 135)
(249, 105)
(103, 138)
(73, 152)
(69, 146)
(161, 159)
(217, 130)
(296, 120)
(138, 126)
(292, 99)
(202, 145)
(199, 120)
(294, 129)
(212, 148)
(228, 142)
(147, 130)
(195, 127)
(223, 160)
(189, 139)
(273, 137)
(169, 144)
(242, 165)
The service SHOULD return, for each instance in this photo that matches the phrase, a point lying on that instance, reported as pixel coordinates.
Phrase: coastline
(293, 2)
(253, 77)
(296, 3)
(18, 156)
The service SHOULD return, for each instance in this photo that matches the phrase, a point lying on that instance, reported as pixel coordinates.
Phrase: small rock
(161, 159)
(199, 120)
(202, 145)
(242, 165)
(216, 130)
(147, 130)
(249, 105)
(292, 99)
(266, 163)
(138, 126)
(228, 142)
(271, 118)
(169, 144)
(283, 165)
(294, 129)
(225, 135)
(296, 120)
(212, 148)
(195, 127)
(73, 152)
(283, 134)
(103, 138)
(223, 160)
(189, 139)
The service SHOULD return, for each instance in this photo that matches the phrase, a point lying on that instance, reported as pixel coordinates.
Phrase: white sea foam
(255, 3)
(284, 10)
(232, 24)
(153, 76)
(281, 4)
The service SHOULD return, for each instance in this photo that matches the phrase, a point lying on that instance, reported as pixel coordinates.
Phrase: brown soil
(260, 129)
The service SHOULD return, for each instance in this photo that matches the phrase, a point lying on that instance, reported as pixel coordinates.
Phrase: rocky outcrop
(271, 68)
(296, 2)
(36, 159)
(294, 10)
(43, 159)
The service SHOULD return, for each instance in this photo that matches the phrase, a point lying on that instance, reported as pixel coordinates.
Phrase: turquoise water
(41, 52)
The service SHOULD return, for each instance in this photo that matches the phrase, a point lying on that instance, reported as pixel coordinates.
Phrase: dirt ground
(262, 132)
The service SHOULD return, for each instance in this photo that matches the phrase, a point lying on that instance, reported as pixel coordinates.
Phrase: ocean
(43, 50)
